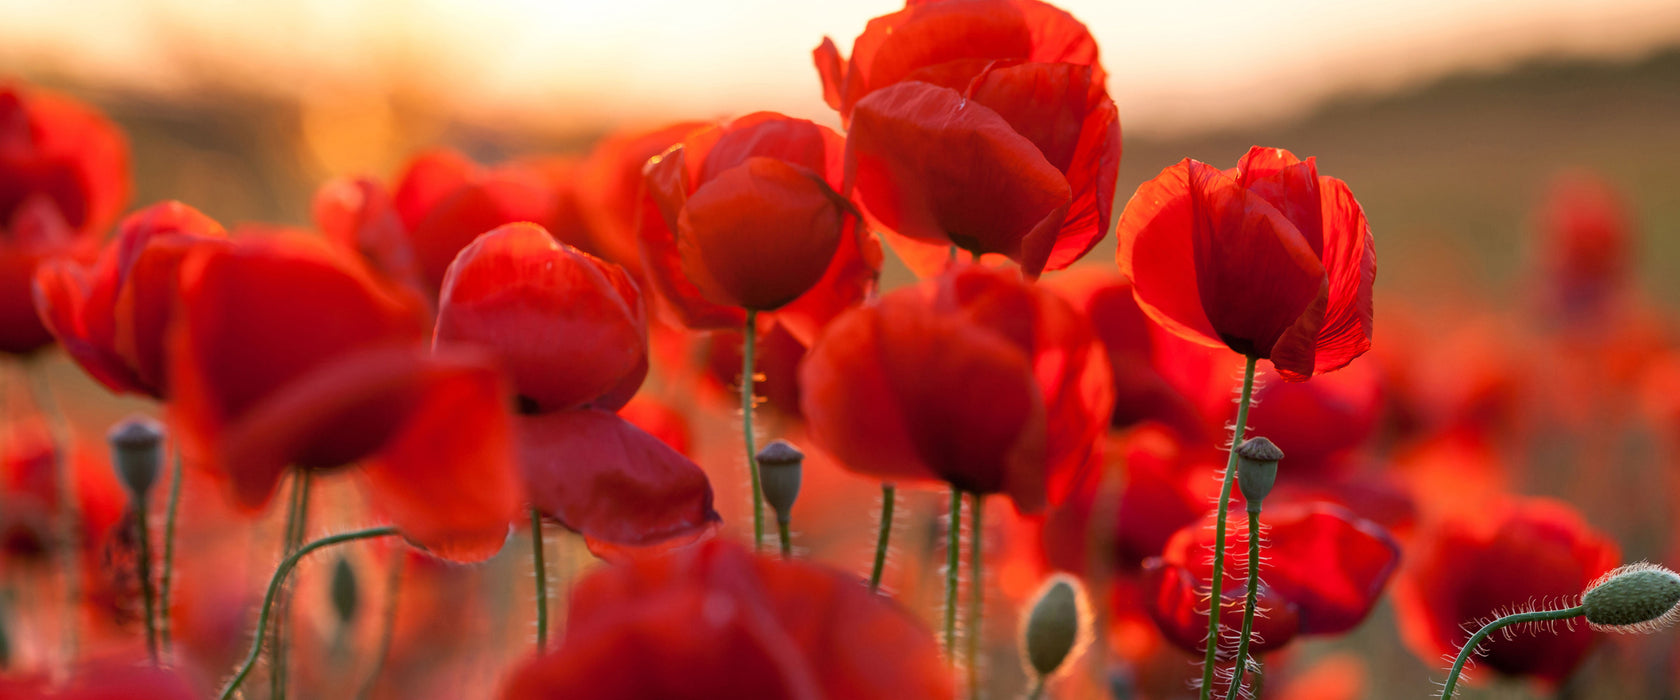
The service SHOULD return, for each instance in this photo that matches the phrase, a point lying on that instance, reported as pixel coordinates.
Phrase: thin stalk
(69, 521)
(387, 622)
(297, 517)
(1215, 587)
(1037, 689)
(167, 564)
(888, 494)
(749, 333)
(1248, 605)
(787, 539)
(975, 597)
(1491, 627)
(274, 586)
(953, 560)
(542, 579)
(144, 532)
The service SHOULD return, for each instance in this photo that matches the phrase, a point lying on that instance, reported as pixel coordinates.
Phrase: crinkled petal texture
(569, 327)
(1327, 565)
(111, 318)
(938, 168)
(747, 216)
(601, 476)
(63, 180)
(949, 43)
(334, 372)
(749, 627)
(1473, 566)
(918, 386)
(1270, 260)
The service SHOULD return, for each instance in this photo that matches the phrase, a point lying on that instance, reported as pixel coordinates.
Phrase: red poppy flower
(1322, 570)
(1586, 242)
(63, 180)
(715, 621)
(111, 318)
(945, 98)
(975, 378)
(746, 216)
(440, 203)
(610, 189)
(569, 327)
(1269, 259)
(1502, 556)
(287, 353)
(108, 678)
(1135, 351)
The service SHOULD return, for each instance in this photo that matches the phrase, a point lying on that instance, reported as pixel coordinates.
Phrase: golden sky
(575, 64)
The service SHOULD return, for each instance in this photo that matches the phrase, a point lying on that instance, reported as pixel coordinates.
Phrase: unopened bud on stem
(1257, 463)
(1055, 630)
(1639, 597)
(781, 467)
(136, 452)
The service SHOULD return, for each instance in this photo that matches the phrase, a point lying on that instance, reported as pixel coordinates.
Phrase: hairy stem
(1491, 627)
(1248, 606)
(888, 494)
(297, 517)
(143, 535)
(749, 334)
(166, 565)
(542, 579)
(274, 586)
(953, 560)
(1215, 588)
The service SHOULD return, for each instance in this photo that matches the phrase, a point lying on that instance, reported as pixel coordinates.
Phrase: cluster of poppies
(556, 343)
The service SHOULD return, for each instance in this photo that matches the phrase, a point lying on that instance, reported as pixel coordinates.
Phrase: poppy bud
(344, 592)
(1257, 461)
(780, 467)
(1055, 629)
(1641, 597)
(136, 451)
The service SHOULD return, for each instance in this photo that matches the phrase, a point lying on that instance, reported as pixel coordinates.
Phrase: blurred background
(1448, 118)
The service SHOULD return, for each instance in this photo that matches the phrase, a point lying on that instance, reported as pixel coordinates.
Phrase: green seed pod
(1640, 597)
(1257, 463)
(1058, 628)
(781, 468)
(345, 595)
(136, 453)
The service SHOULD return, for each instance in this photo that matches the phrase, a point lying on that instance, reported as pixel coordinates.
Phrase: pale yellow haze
(580, 66)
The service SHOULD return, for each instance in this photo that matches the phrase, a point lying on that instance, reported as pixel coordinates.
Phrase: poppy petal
(1160, 258)
(1350, 261)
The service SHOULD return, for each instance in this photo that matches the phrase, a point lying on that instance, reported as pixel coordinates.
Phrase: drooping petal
(1350, 261)
(600, 476)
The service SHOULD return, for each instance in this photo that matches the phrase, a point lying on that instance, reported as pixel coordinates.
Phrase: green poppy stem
(1491, 627)
(1215, 588)
(542, 579)
(166, 565)
(749, 333)
(144, 538)
(888, 494)
(274, 586)
(1248, 606)
(297, 517)
(953, 560)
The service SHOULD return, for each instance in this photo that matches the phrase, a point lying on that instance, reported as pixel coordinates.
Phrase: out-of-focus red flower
(1586, 246)
(715, 621)
(439, 204)
(569, 327)
(609, 189)
(1322, 570)
(111, 318)
(110, 678)
(1136, 349)
(976, 378)
(776, 354)
(287, 352)
(747, 216)
(63, 180)
(603, 477)
(660, 420)
(1502, 557)
(1269, 259)
(982, 124)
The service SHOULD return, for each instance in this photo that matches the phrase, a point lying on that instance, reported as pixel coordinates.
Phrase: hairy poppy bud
(1641, 597)
(1257, 462)
(781, 467)
(1055, 630)
(136, 451)
(344, 592)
